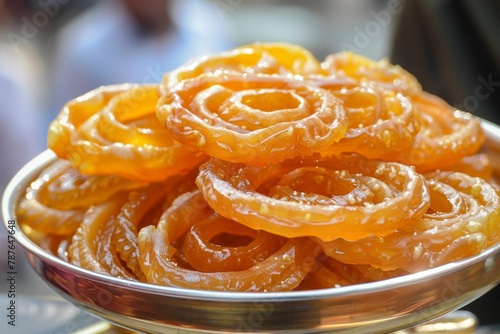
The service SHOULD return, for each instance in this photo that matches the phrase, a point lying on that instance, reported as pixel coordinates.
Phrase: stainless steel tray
(378, 307)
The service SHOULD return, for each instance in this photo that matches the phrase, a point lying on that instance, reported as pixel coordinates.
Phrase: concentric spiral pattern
(254, 119)
(57, 199)
(326, 199)
(381, 121)
(275, 267)
(445, 136)
(263, 169)
(381, 73)
(118, 133)
(462, 220)
(263, 58)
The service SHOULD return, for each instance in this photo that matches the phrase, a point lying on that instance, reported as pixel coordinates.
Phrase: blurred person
(20, 127)
(120, 41)
(454, 51)
(452, 47)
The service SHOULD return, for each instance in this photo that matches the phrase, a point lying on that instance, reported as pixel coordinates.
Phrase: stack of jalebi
(264, 169)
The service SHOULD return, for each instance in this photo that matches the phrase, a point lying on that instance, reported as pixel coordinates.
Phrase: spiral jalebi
(446, 135)
(264, 58)
(57, 199)
(381, 121)
(278, 270)
(253, 119)
(330, 199)
(263, 169)
(119, 135)
(381, 73)
(461, 221)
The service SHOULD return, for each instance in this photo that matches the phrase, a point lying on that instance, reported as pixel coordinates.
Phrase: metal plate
(382, 306)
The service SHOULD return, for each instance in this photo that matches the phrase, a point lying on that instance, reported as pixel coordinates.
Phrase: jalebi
(253, 119)
(461, 221)
(375, 73)
(280, 270)
(119, 135)
(263, 169)
(331, 199)
(264, 58)
(57, 199)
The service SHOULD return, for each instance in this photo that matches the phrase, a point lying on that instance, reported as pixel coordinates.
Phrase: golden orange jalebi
(141, 210)
(57, 199)
(64, 129)
(282, 270)
(263, 169)
(375, 73)
(243, 247)
(90, 244)
(380, 121)
(120, 135)
(461, 221)
(106, 240)
(446, 135)
(351, 198)
(265, 58)
(254, 119)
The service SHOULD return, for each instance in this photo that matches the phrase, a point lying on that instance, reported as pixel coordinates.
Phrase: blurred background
(54, 50)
